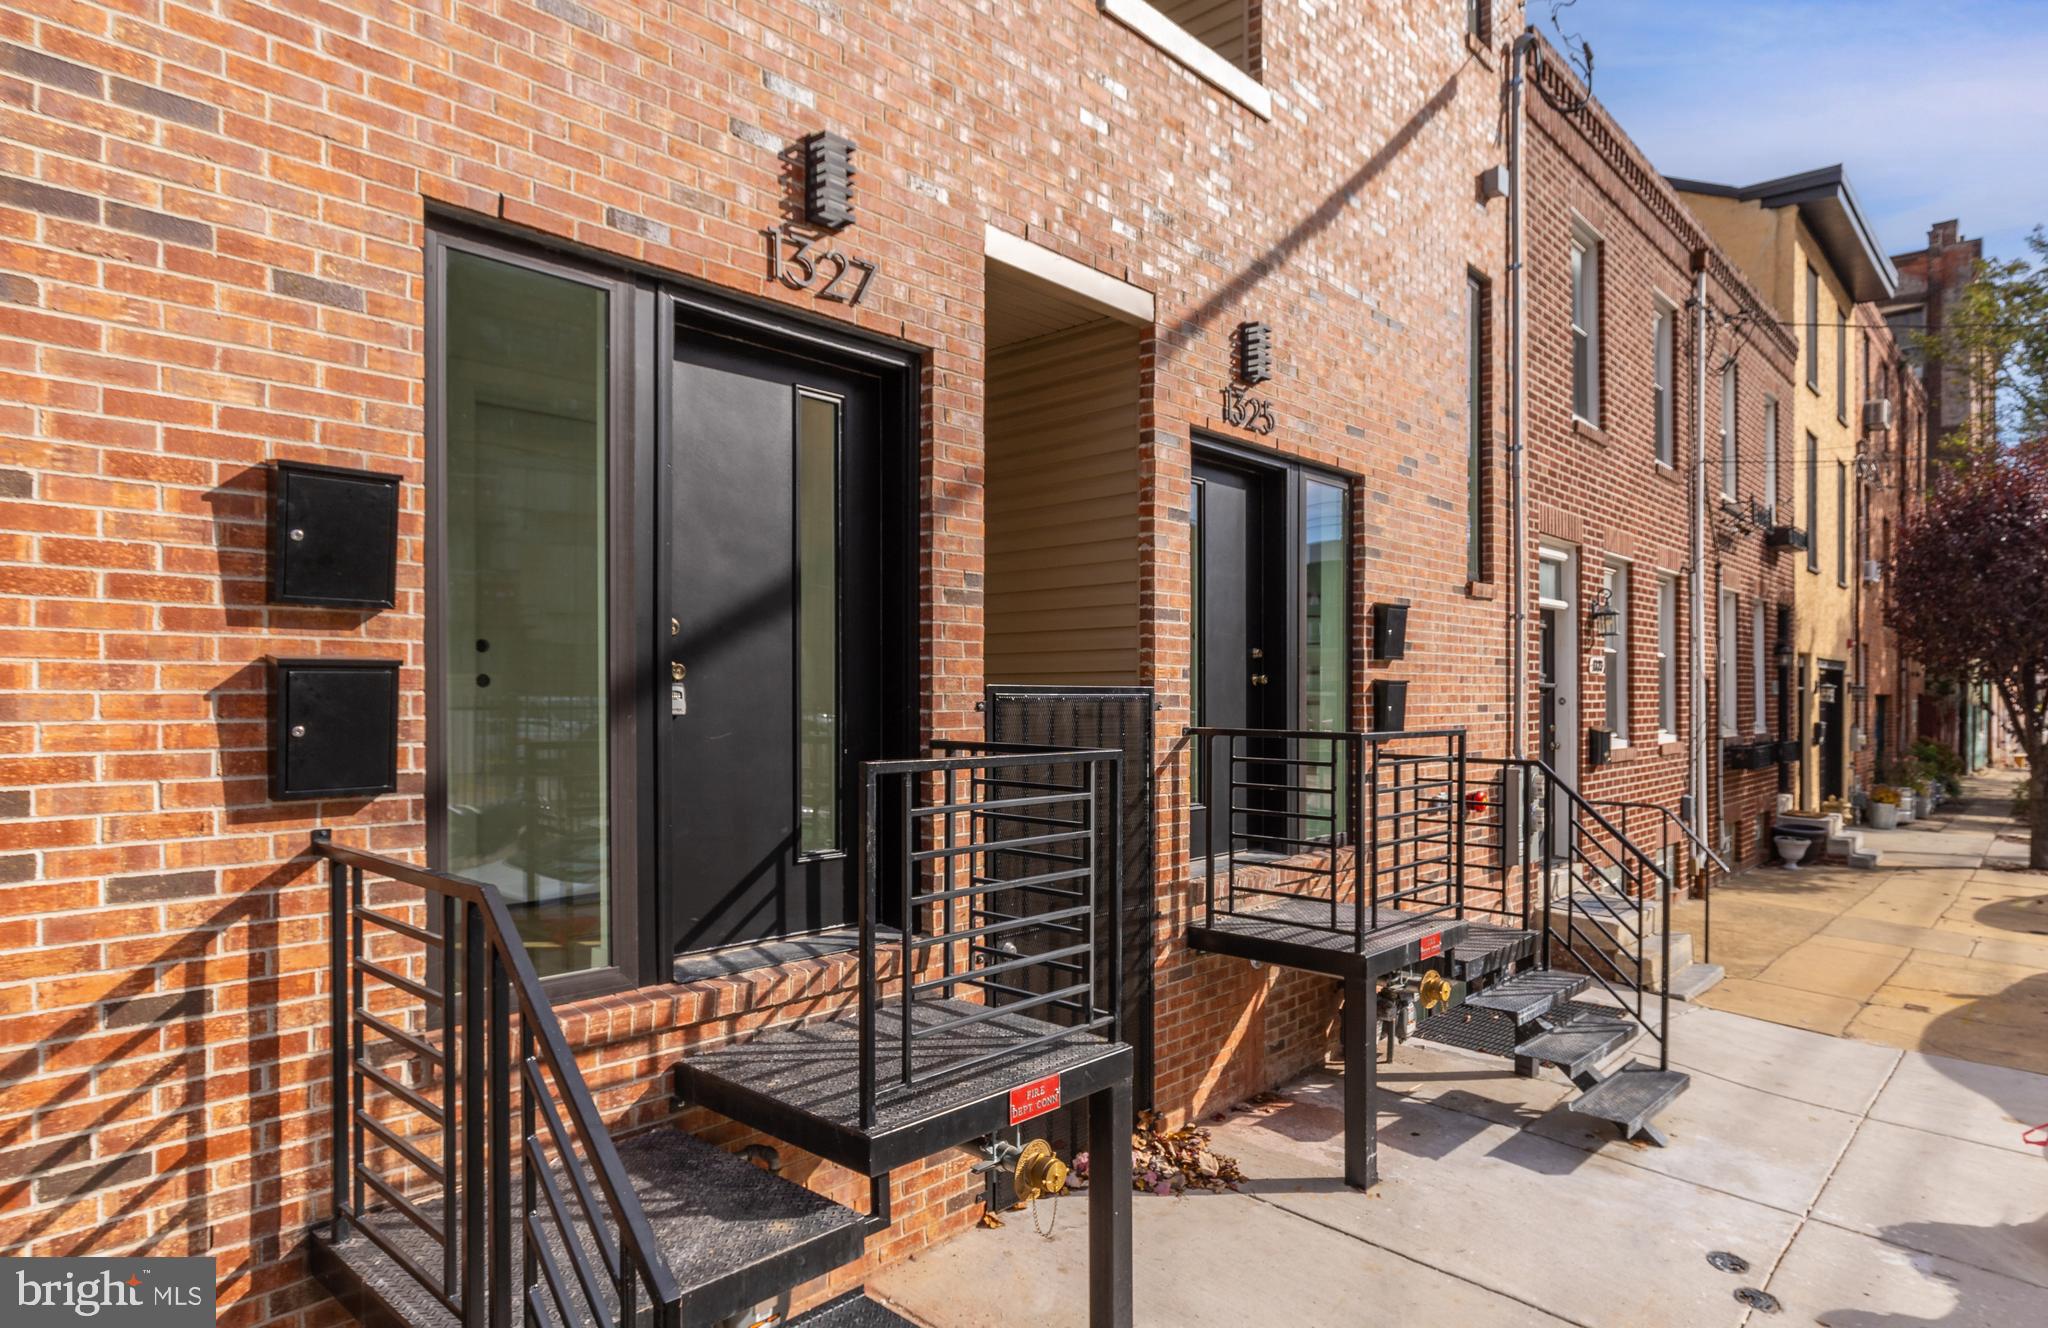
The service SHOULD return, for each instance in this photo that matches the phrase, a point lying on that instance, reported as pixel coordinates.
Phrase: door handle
(1259, 680)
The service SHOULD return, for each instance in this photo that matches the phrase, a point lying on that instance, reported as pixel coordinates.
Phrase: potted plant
(1884, 808)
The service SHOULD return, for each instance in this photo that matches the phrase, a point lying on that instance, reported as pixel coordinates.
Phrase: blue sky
(1938, 109)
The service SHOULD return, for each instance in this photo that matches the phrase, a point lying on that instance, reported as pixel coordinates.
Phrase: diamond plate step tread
(1486, 1031)
(1489, 949)
(1527, 995)
(1632, 1095)
(852, 1310)
(732, 1233)
(1579, 1044)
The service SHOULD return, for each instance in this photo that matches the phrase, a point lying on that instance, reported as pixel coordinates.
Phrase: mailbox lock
(298, 730)
(298, 536)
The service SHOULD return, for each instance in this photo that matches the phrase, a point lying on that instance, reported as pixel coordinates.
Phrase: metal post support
(1111, 1303)
(1361, 1072)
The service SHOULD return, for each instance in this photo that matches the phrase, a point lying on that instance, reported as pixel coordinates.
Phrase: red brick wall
(1603, 489)
(211, 228)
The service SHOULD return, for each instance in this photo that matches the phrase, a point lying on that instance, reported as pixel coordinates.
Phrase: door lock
(676, 671)
(1258, 653)
(1259, 680)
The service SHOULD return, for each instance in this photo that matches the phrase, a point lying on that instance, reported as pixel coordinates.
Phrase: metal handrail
(1669, 819)
(497, 976)
(984, 764)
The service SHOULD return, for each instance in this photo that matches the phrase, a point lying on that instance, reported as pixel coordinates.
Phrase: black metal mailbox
(1389, 631)
(333, 536)
(1389, 705)
(334, 728)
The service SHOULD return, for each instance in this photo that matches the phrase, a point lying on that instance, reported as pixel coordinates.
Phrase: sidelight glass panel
(1326, 633)
(817, 535)
(524, 378)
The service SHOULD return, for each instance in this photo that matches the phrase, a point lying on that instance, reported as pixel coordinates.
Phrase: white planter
(1792, 848)
(1884, 816)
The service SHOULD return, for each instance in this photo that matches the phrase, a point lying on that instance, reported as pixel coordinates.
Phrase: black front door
(1829, 736)
(1241, 635)
(771, 674)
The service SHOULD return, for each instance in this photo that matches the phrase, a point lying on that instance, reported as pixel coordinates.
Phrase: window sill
(1621, 753)
(1589, 431)
(1665, 470)
(1479, 49)
(1669, 746)
(1176, 41)
(1479, 589)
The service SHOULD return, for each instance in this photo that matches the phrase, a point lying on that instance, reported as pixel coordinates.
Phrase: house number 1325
(793, 262)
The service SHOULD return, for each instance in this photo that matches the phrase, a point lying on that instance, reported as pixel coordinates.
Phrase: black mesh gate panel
(1119, 718)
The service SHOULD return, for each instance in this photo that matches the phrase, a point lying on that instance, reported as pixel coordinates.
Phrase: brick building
(1890, 479)
(543, 262)
(1931, 282)
(1618, 438)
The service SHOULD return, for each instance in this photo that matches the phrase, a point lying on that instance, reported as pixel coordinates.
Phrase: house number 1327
(793, 262)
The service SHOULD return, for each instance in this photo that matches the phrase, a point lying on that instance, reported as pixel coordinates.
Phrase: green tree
(1969, 595)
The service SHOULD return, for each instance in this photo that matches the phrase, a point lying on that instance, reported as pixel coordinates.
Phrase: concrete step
(1695, 979)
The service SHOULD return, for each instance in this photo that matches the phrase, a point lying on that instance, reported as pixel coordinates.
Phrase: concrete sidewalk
(1943, 948)
(1867, 1188)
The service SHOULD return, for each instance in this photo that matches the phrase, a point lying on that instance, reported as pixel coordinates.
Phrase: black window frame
(1812, 502)
(630, 442)
(1813, 328)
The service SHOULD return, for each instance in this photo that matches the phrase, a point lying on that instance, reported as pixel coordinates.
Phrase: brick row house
(575, 447)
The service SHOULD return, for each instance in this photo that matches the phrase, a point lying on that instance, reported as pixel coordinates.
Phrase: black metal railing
(996, 855)
(1369, 828)
(1586, 889)
(435, 1112)
(1676, 845)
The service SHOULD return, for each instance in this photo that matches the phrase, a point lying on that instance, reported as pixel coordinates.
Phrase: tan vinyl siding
(1062, 569)
(1221, 25)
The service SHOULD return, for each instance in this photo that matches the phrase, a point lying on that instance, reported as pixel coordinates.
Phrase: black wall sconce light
(1254, 353)
(828, 180)
(1604, 620)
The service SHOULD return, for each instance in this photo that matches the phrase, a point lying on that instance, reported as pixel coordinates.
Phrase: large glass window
(1667, 658)
(1585, 328)
(1326, 624)
(524, 400)
(1758, 719)
(1660, 389)
(1771, 455)
(1618, 652)
(1731, 459)
(817, 536)
(1812, 328)
(1475, 428)
(1812, 503)
(1726, 681)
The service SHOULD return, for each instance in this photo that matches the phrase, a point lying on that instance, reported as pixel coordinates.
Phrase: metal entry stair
(734, 1236)
(1534, 1017)
(474, 1183)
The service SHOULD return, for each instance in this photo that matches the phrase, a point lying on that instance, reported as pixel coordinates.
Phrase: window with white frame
(1667, 658)
(1771, 455)
(1726, 679)
(1663, 340)
(1585, 325)
(1758, 720)
(1615, 583)
(1731, 460)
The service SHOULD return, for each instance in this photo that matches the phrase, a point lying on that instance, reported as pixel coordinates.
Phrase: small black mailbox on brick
(334, 728)
(1389, 705)
(333, 536)
(1389, 631)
